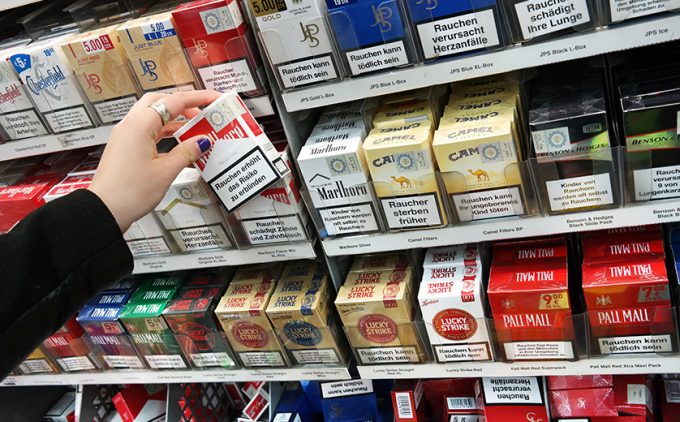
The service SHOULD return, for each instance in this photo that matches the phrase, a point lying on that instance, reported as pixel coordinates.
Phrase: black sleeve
(51, 263)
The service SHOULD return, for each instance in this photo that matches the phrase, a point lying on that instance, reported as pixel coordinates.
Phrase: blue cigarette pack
(294, 407)
(349, 401)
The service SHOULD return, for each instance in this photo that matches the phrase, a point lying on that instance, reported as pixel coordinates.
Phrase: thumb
(184, 154)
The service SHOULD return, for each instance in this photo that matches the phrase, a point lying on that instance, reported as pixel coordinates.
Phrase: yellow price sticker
(553, 301)
(267, 7)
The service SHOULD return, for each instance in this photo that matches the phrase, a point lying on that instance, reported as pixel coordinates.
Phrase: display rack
(619, 37)
(55, 143)
(11, 4)
(215, 258)
(166, 377)
(649, 213)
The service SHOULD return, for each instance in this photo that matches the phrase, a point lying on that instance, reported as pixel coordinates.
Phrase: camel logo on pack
(403, 181)
(200, 47)
(480, 174)
(148, 68)
(93, 80)
(382, 14)
(431, 4)
(309, 32)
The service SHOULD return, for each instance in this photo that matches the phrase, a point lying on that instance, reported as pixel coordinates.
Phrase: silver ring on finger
(162, 111)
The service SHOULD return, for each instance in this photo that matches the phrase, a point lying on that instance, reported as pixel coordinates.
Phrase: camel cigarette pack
(452, 304)
(241, 312)
(18, 116)
(372, 34)
(45, 70)
(337, 179)
(377, 313)
(403, 172)
(450, 28)
(297, 41)
(404, 113)
(529, 295)
(98, 60)
(480, 167)
(300, 311)
(379, 262)
(68, 347)
(156, 55)
(242, 161)
(38, 362)
(220, 45)
(513, 399)
(191, 214)
(448, 256)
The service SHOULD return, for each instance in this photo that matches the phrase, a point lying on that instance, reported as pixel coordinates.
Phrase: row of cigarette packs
(545, 303)
(59, 83)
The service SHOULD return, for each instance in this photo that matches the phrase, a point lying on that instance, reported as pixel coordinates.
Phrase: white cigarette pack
(447, 256)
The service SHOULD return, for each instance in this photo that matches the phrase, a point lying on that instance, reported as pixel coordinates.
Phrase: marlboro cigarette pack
(147, 236)
(155, 53)
(404, 113)
(98, 60)
(452, 304)
(19, 200)
(242, 161)
(241, 311)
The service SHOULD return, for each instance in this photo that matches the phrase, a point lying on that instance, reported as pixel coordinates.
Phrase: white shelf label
(539, 17)
(23, 124)
(316, 356)
(165, 361)
(379, 57)
(231, 76)
(580, 192)
(458, 34)
(36, 366)
(636, 344)
(657, 183)
(274, 230)
(346, 388)
(114, 110)
(122, 361)
(68, 119)
(204, 237)
(539, 350)
(380, 355)
(411, 211)
(76, 363)
(211, 359)
(266, 359)
(516, 390)
(309, 71)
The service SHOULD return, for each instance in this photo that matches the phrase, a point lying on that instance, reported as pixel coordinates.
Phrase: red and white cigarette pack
(69, 184)
(633, 395)
(69, 349)
(258, 405)
(576, 382)
(452, 255)
(19, 200)
(529, 295)
(136, 404)
(585, 402)
(514, 399)
(220, 45)
(242, 161)
(407, 396)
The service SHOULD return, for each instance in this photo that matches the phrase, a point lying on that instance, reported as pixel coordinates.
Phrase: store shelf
(651, 213)
(606, 40)
(271, 253)
(11, 4)
(610, 365)
(169, 377)
(55, 143)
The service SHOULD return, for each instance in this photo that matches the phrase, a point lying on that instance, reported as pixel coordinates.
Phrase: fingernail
(204, 144)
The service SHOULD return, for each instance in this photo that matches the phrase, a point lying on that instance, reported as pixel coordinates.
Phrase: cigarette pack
(407, 401)
(63, 410)
(18, 115)
(353, 400)
(293, 407)
(69, 184)
(577, 382)
(98, 60)
(449, 256)
(38, 362)
(300, 310)
(46, 72)
(379, 262)
(633, 395)
(452, 304)
(155, 54)
(582, 403)
(514, 399)
(19, 200)
(147, 236)
(191, 214)
(338, 127)
(305, 58)
(670, 399)
(220, 45)
(403, 172)
(242, 161)
(378, 276)
(404, 113)
(68, 348)
(241, 311)
(337, 180)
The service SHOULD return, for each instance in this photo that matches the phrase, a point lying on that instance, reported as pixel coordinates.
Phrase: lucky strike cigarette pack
(403, 171)
(530, 302)
(379, 262)
(452, 305)
(98, 60)
(241, 312)
(191, 214)
(156, 54)
(447, 256)
(300, 310)
(242, 161)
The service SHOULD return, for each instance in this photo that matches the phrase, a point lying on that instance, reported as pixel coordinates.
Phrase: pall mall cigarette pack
(156, 54)
(98, 60)
(242, 161)
(403, 170)
(69, 348)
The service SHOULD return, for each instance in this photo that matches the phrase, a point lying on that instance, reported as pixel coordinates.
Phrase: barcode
(404, 408)
(672, 391)
(455, 403)
(281, 166)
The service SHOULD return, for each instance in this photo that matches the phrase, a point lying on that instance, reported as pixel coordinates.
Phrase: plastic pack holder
(447, 29)
(48, 20)
(159, 349)
(537, 20)
(90, 13)
(114, 351)
(147, 237)
(38, 362)
(578, 181)
(456, 336)
(615, 11)
(650, 174)
(198, 401)
(205, 347)
(297, 41)
(72, 354)
(372, 35)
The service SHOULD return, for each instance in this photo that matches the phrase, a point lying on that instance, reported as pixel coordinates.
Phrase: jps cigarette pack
(220, 45)
(155, 53)
(337, 179)
(480, 168)
(98, 60)
(513, 399)
(18, 116)
(297, 41)
(38, 362)
(582, 403)
(452, 303)
(372, 34)
(450, 28)
(190, 315)
(449, 256)
(300, 311)
(379, 262)
(68, 347)
(529, 295)
(242, 161)
(192, 215)
(45, 70)
(403, 172)
(241, 311)
(378, 318)
(404, 113)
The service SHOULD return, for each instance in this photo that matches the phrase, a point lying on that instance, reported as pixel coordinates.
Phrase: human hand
(132, 177)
